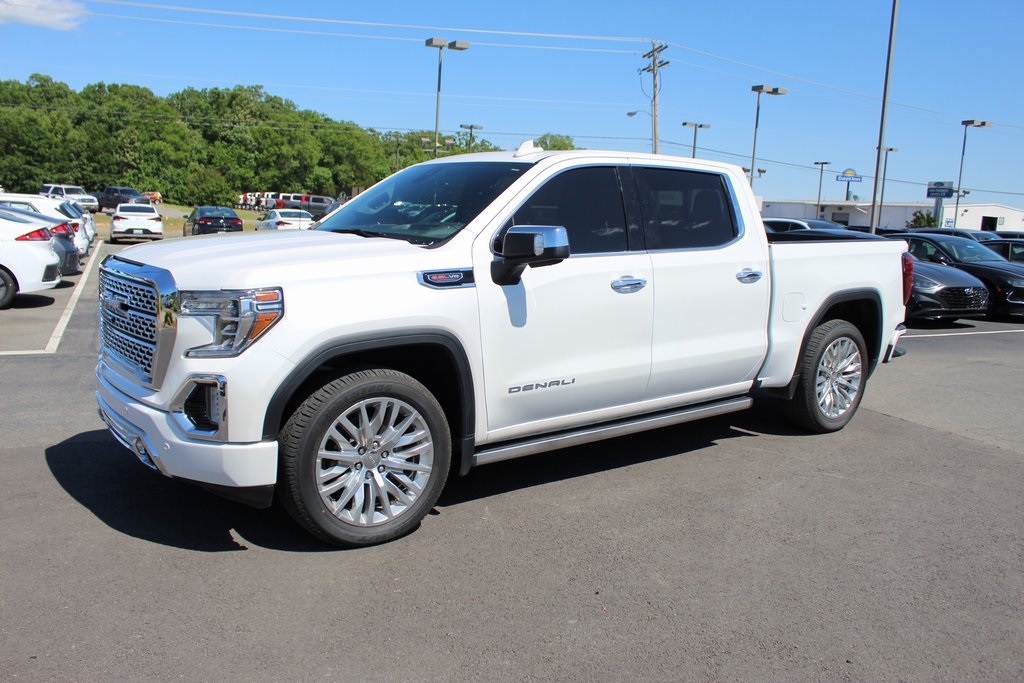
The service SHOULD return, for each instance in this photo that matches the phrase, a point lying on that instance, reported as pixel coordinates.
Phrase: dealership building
(857, 213)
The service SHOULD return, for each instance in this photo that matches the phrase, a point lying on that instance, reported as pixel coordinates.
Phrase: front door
(569, 344)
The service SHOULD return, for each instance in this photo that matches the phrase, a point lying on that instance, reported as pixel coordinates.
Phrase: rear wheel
(8, 288)
(831, 378)
(364, 458)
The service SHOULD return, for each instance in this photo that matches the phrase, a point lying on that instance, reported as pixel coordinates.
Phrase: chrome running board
(608, 430)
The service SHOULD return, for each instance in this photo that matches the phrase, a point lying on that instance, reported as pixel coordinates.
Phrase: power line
(376, 24)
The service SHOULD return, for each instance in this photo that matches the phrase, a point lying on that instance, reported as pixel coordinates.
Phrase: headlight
(1016, 283)
(925, 284)
(239, 318)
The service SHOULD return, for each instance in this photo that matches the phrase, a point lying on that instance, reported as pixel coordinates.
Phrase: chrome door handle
(628, 285)
(748, 276)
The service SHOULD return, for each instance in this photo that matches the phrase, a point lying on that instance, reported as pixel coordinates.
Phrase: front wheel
(364, 458)
(830, 378)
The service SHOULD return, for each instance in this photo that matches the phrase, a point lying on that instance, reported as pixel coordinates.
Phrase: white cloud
(63, 15)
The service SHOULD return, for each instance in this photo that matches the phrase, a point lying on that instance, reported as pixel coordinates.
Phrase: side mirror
(939, 257)
(528, 245)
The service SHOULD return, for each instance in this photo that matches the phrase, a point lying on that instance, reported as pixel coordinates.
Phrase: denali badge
(444, 278)
(542, 385)
(447, 279)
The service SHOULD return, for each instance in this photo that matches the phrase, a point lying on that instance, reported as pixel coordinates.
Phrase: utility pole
(881, 124)
(656, 64)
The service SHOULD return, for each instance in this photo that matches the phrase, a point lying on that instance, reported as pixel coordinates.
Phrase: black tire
(385, 480)
(834, 362)
(8, 288)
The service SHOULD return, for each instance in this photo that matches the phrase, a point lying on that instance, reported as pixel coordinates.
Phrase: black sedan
(945, 293)
(206, 220)
(1004, 280)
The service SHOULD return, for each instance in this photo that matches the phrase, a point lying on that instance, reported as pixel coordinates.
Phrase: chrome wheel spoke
(838, 377)
(374, 461)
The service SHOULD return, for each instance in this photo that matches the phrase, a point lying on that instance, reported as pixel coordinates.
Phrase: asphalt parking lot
(733, 549)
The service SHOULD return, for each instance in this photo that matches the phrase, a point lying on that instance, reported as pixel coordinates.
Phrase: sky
(576, 69)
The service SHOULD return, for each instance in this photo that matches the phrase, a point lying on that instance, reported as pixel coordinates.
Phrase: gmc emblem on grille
(116, 306)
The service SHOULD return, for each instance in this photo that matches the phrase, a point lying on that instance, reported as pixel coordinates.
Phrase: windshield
(969, 251)
(71, 189)
(427, 203)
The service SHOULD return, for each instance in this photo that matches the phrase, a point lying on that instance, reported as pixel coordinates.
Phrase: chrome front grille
(137, 316)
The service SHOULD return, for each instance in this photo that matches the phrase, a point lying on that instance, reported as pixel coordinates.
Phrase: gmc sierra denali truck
(473, 309)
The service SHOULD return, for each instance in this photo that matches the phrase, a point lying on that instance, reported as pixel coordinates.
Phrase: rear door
(712, 291)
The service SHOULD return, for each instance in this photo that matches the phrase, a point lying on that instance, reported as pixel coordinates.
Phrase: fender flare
(818, 318)
(464, 443)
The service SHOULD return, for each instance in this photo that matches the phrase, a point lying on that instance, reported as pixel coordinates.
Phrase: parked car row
(82, 224)
(315, 204)
(958, 273)
(29, 261)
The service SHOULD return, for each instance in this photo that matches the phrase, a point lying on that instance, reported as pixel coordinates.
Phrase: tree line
(196, 146)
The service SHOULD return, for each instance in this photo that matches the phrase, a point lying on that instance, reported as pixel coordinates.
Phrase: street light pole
(441, 44)
(767, 89)
(969, 123)
(470, 127)
(695, 126)
(821, 172)
(881, 196)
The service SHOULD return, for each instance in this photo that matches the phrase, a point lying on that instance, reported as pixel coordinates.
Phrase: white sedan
(28, 262)
(137, 222)
(286, 219)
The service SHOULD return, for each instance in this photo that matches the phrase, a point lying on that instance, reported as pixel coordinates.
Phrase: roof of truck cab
(536, 155)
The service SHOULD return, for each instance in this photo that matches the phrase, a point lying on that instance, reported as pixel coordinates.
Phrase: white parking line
(958, 334)
(65, 318)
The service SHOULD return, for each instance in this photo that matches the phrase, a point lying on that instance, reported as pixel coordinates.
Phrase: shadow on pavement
(27, 301)
(765, 418)
(940, 324)
(106, 479)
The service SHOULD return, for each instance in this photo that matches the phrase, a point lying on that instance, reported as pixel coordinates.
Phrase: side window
(684, 209)
(922, 250)
(587, 202)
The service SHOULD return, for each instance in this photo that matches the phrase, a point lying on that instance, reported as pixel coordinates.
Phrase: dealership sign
(940, 189)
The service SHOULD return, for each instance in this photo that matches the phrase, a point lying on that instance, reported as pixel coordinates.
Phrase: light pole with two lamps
(695, 126)
(759, 89)
(441, 44)
(969, 123)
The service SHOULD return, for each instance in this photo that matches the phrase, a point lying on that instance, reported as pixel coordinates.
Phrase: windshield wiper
(362, 232)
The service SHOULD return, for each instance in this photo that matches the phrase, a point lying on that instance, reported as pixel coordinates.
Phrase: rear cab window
(685, 209)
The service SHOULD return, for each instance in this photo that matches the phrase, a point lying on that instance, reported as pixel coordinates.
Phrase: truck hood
(240, 261)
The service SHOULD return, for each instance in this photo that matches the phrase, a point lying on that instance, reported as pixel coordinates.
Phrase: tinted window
(683, 209)
(217, 212)
(136, 208)
(587, 202)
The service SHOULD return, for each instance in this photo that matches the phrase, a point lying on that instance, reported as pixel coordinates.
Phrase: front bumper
(158, 442)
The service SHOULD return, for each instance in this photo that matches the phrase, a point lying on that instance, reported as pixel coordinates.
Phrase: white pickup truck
(478, 308)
